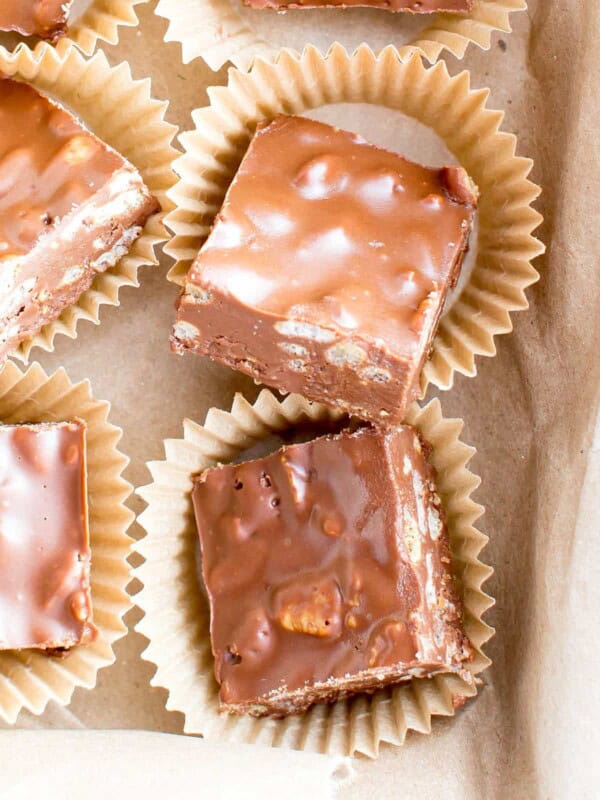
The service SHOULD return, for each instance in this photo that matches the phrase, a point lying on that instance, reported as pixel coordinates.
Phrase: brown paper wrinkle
(175, 618)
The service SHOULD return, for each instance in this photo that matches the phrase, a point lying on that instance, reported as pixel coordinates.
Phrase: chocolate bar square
(327, 567)
(408, 6)
(327, 268)
(70, 208)
(44, 540)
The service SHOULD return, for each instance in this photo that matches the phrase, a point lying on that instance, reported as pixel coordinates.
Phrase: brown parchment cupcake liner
(216, 31)
(458, 115)
(29, 679)
(122, 113)
(176, 615)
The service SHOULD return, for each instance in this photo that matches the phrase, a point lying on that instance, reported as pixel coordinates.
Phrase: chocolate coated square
(70, 208)
(408, 6)
(44, 541)
(327, 268)
(327, 567)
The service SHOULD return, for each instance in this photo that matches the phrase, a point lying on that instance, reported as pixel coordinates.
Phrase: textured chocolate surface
(409, 6)
(44, 542)
(70, 207)
(44, 18)
(327, 268)
(327, 570)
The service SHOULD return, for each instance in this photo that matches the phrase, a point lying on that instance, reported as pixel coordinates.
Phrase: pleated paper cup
(90, 22)
(225, 30)
(498, 269)
(122, 113)
(99, 20)
(176, 614)
(29, 678)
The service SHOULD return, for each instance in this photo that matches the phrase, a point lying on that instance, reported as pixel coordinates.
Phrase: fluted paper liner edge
(176, 617)
(122, 113)
(448, 105)
(101, 22)
(215, 31)
(30, 679)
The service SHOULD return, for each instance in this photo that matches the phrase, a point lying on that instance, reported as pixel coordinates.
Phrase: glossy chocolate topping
(321, 225)
(44, 18)
(44, 546)
(327, 268)
(410, 6)
(326, 562)
(48, 164)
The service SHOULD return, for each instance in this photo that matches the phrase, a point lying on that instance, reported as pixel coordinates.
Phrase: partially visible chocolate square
(45, 554)
(408, 6)
(328, 571)
(70, 208)
(327, 268)
(44, 18)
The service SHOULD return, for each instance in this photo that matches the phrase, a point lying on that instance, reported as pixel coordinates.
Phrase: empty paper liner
(224, 30)
(29, 679)
(122, 113)
(500, 270)
(176, 615)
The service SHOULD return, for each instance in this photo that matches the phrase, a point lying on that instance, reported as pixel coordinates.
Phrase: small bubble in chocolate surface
(275, 502)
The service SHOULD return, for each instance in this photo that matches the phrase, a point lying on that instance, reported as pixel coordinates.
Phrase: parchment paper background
(534, 730)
